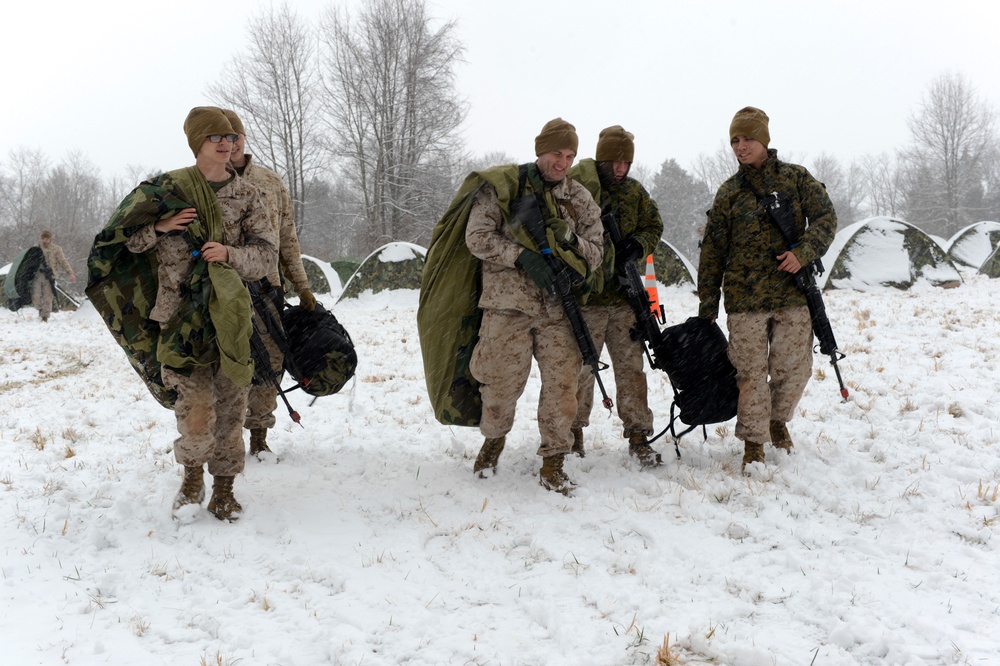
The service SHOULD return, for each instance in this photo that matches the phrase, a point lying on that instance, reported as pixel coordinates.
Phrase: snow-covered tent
(885, 252)
(392, 266)
(61, 300)
(991, 267)
(323, 278)
(974, 244)
(345, 268)
(672, 268)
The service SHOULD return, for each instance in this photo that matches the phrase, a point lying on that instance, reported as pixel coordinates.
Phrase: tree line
(360, 114)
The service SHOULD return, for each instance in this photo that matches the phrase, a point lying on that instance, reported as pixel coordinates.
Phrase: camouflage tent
(672, 268)
(392, 266)
(991, 266)
(974, 244)
(885, 252)
(345, 268)
(61, 300)
(322, 276)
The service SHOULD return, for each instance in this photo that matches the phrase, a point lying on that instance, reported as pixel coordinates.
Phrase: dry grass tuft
(667, 655)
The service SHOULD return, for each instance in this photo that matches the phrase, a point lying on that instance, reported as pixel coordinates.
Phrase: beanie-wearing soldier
(745, 255)
(210, 405)
(608, 314)
(274, 195)
(522, 319)
(41, 285)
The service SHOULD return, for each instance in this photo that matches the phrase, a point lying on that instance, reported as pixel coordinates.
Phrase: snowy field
(368, 541)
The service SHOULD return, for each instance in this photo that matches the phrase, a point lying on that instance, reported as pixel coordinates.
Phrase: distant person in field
(746, 257)
(43, 285)
(608, 314)
(274, 195)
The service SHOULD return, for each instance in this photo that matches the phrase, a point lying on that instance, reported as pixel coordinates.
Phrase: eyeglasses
(216, 138)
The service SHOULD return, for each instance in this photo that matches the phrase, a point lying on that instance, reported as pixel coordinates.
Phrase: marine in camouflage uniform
(42, 285)
(744, 254)
(608, 313)
(274, 195)
(210, 405)
(522, 319)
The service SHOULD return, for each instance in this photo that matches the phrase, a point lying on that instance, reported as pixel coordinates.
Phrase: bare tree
(394, 113)
(843, 188)
(954, 141)
(881, 184)
(490, 159)
(715, 169)
(273, 85)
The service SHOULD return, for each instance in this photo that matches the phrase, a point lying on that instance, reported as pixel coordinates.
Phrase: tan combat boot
(752, 453)
(639, 447)
(192, 487)
(488, 456)
(578, 442)
(780, 437)
(258, 441)
(552, 476)
(223, 505)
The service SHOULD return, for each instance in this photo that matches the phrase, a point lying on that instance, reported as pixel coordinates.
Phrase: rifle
(779, 207)
(647, 327)
(258, 352)
(525, 211)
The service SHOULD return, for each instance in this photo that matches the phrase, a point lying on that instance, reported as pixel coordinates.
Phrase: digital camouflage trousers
(772, 354)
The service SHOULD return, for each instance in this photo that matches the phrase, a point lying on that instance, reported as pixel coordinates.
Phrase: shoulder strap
(745, 182)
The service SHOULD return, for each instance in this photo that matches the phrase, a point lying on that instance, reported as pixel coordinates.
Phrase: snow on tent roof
(672, 268)
(392, 266)
(885, 252)
(974, 244)
(322, 276)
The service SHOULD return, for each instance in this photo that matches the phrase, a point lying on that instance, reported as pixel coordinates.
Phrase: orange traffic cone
(651, 290)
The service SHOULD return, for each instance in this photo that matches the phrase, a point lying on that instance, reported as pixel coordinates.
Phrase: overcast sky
(115, 79)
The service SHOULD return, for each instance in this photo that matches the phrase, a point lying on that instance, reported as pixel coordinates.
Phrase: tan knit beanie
(203, 121)
(615, 145)
(556, 135)
(234, 120)
(45, 234)
(752, 123)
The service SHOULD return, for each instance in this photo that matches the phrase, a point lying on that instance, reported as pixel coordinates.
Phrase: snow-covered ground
(368, 541)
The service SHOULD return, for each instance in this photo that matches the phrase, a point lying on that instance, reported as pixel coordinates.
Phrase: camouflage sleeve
(257, 256)
(650, 228)
(62, 264)
(142, 240)
(818, 209)
(290, 255)
(484, 234)
(589, 228)
(712, 264)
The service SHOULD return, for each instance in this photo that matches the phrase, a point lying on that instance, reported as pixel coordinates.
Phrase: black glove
(536, 267)
(628, 250)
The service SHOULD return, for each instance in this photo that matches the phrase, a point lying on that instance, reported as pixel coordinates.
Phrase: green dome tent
(974, 244)
(392, 266)
(672, 268)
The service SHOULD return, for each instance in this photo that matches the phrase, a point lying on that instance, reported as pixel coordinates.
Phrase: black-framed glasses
(216, 138)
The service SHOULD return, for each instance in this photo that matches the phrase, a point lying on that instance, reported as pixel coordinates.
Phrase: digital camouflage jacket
(741, 244)
(637, 215)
